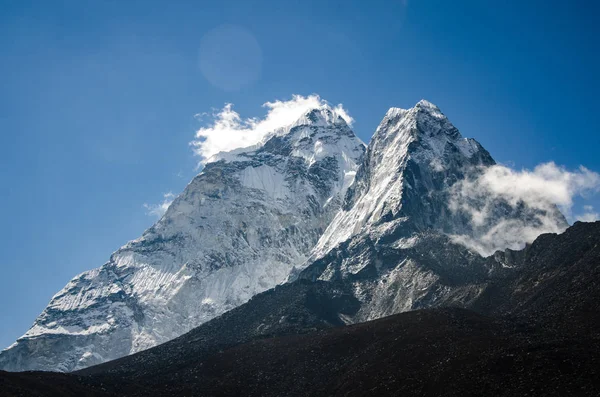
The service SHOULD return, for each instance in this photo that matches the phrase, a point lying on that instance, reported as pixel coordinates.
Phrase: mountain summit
(394, 240)
(413, 158)
(236, 230)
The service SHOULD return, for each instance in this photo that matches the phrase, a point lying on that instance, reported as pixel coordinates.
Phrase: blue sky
(97, 102)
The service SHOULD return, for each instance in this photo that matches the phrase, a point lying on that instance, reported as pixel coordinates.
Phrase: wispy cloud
(491, 200)
(589, 215)
(227, 130)
(158, 210)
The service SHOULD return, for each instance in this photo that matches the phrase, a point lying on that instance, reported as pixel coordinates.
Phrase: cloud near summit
(540, 190)
(227, 130)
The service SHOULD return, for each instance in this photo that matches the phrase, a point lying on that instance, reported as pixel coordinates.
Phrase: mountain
(236, 230)
(394, 242)
(306, 203)
(536, 333)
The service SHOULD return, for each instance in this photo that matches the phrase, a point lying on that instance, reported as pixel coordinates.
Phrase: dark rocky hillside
(450, 352)
(557, 286)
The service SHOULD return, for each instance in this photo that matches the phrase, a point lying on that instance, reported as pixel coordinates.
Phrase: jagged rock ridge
(393, 241)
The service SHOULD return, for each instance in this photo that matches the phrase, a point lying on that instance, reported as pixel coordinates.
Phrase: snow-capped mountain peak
(236, 230)
(321, 116)
(392, 240)
(322, 124)
(307, 200)
(409, 147)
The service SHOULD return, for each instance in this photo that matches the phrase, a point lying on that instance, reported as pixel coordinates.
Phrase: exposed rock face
(393, 240)
(236, 230)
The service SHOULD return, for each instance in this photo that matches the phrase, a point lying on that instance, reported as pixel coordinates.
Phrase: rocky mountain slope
(236, 230)
(395, 239)
(555, 283)
(536, 333)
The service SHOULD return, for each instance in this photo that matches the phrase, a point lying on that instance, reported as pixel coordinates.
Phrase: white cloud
(339, 109)
(158, 210)
(228, 130)
(534, 194)
(589, 215)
